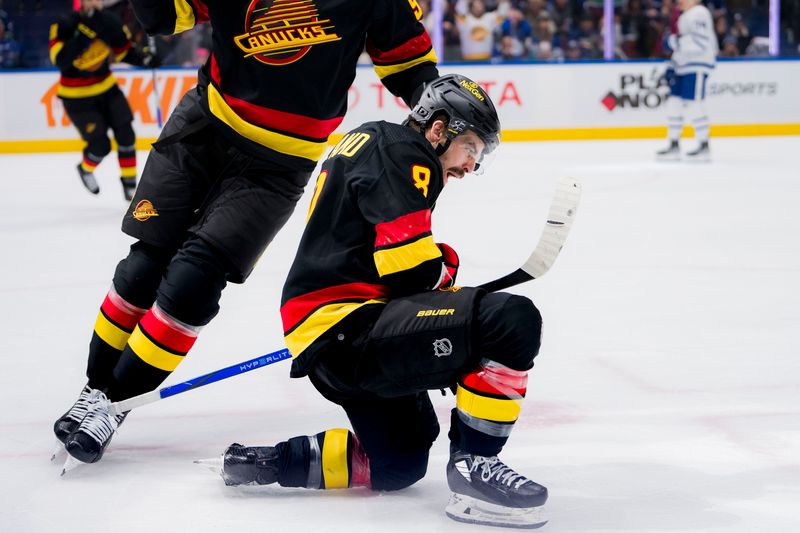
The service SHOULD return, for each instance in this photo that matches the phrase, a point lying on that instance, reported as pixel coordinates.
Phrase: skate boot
(88, 180)
(128, 187)
(70, 420)
(670, 153)
(246, 465)
(88, 442)
(487, 492)
(700, 154)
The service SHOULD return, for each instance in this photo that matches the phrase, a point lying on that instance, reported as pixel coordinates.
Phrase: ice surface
(666, 396)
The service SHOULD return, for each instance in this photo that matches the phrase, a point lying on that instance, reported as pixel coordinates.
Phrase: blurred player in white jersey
(694, 53)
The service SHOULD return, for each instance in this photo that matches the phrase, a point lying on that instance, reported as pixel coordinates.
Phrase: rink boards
(587, 100)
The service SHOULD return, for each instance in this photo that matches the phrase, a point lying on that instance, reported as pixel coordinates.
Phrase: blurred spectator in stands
(758, 47)
(740, 30)
(476, 28)
(729, 47)
(565, 12)
(588, 38)
(572, 51)
(515, 36)
(10, 50)
(721, 30)
(452, 46)
(534, 9)
(544, 40)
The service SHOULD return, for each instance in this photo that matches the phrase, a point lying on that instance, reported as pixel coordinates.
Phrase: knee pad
(98, 146)
(137, 277)
(509, 330)
(193, 284)
(400, 473)
(125, 135)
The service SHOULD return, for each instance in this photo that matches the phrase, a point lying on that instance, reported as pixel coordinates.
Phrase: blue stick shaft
(224, 373)
(200, 381)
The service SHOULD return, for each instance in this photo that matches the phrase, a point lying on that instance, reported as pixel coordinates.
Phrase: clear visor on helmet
(484, 157)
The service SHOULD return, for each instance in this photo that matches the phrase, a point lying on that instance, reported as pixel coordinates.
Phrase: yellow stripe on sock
(334, 459)
(152, 354)
(110, 333)
(493, 409)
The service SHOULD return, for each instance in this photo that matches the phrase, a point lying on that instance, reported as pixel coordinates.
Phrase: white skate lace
(81, 405)
(98, 423)
(493, 467)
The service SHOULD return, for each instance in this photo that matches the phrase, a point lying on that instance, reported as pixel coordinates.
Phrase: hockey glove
(451, 262)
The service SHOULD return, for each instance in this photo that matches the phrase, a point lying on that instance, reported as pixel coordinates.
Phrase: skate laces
(494, 467)
(98, 423)
(81, 405)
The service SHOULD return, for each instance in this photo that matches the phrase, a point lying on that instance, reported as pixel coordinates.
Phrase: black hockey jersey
(280, 70)
(368, 235)
(84, 47)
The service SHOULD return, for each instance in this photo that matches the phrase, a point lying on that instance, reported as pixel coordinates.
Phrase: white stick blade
(559, 222)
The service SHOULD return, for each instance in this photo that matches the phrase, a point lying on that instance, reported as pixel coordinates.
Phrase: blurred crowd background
(471, 30)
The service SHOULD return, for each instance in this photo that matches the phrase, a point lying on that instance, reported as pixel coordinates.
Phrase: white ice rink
(666, 396)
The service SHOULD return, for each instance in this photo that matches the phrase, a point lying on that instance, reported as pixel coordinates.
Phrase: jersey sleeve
(168, 17)
(400, 48)
(65, 42)
(120, 40)
(406, 257)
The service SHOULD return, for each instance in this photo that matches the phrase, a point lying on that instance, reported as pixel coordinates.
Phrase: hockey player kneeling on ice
(372, 317)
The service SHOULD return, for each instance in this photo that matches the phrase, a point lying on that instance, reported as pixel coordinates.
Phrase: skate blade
(473, 511)
(70, 464)
(59, 452)
(213, 464)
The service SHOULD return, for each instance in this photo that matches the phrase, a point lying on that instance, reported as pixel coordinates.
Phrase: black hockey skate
(70, 420)
(88, 180)
(670, 153)
(128, 187)
(249, 465)
(701, 154)
(487, 492)
(90, 440)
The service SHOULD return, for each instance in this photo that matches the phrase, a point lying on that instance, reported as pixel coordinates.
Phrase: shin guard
(488, 403)
(332, 459)
(114, 325)
(156, 347)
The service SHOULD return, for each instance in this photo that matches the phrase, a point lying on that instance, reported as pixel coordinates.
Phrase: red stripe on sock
(167, 336)
(120, 316)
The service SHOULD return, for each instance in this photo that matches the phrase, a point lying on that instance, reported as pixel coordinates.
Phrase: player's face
(464, 152)
(96, 5)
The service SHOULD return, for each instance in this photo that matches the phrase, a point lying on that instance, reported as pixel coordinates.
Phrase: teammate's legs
(675, 118)
(88, 117)
(120, 119)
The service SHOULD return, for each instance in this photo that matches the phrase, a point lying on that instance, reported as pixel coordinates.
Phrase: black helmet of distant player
(467, 107)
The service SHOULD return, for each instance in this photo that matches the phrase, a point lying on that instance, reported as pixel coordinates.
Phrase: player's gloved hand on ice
(451, 262)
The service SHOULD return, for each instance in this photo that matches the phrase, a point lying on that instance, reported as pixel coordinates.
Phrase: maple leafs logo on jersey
(279, 32)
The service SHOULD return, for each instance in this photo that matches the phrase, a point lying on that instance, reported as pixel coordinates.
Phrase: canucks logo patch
(279, 32)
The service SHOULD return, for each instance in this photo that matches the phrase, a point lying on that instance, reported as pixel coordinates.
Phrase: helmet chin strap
(442, 148)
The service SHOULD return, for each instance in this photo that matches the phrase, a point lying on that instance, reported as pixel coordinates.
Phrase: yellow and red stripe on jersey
(116, 320)
(121, 52)
(160, 343)
(69, 87)
(405, 242)
(416, 50)
(188, 13)
(308, 316)
(278, 130)
(55, 45)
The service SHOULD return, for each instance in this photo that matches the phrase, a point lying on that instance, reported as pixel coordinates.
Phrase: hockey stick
(151, 44)
(559, 221)
(200, 381)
